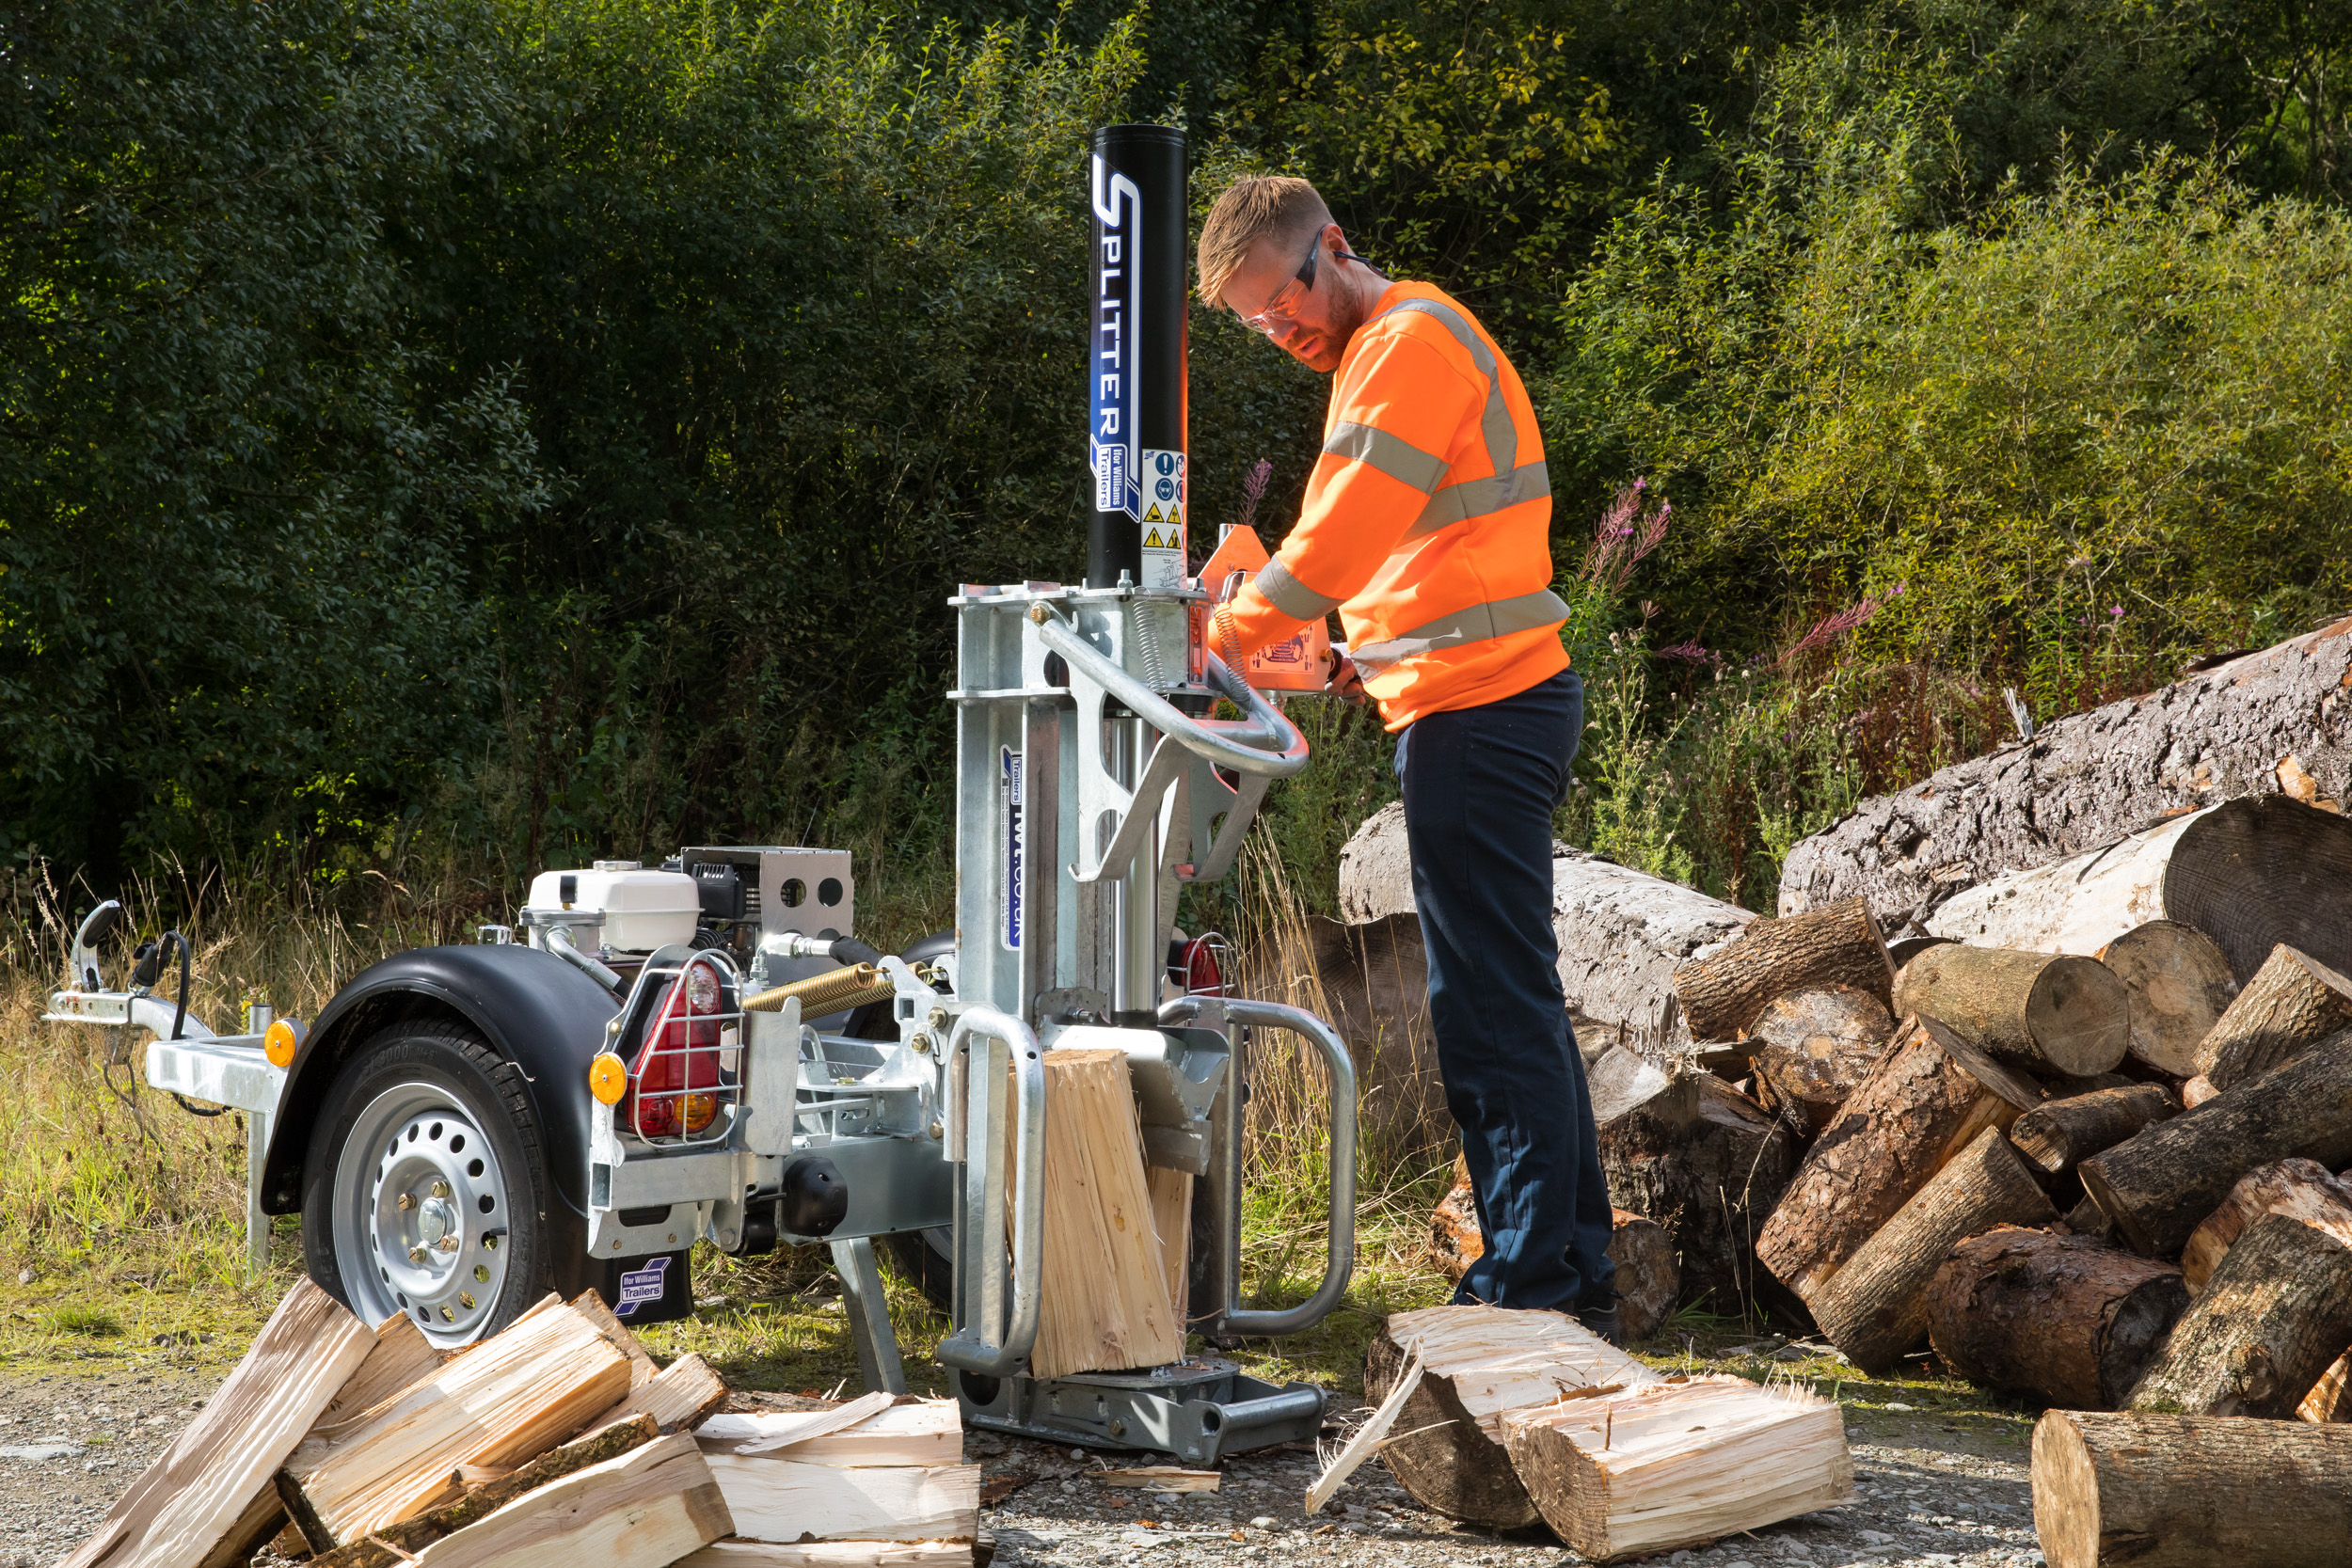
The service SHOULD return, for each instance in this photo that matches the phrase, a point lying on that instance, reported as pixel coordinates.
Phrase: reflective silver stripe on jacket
(1510, 483)
(1293, 598)
(1393, 455)
(1480, 623)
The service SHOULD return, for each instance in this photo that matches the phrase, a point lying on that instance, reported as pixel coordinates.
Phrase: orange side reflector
(608, 1079)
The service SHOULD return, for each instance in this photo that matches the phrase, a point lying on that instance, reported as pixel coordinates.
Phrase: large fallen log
(2066, 1319)
(1476, 1363)
(1705, 1162)
(2272, 723)
(1649, 1278)
(1646, 1470)
(2301, 1189)
(2179, 983)
(2267, 1323)
(2160, 1184)
(1621, 932)
(2294, 1001)
(1813, 1047)
(2154, 1491)
(1876, 1308)
(1723, 992)
(182, 1505)
(642, 1508)
(1927, 1098)
(2042, 1012)
(2058, 1133)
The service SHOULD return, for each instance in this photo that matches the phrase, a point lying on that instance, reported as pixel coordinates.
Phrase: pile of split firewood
(553, 1444)
(2060, 1146)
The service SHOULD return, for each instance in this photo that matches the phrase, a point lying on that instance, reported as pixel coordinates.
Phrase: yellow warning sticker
(1153, 515)
(1153, 540)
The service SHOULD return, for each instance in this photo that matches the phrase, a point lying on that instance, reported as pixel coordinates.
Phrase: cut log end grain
(1813, 1047)
(2044, 1012)
(1649, 1278)
(1724, 992)
(2179, 983)
(2163, 1491)
(2056, 1135)
(2196, 1091)
(2064, 1318)
(1876, 1308)
(2292, 1002)
(2267, 1323)
(2160, 1184)
(2302, 1189)
(1925, 1098)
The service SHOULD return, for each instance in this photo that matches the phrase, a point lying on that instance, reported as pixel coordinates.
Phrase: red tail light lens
(676, 1074)
(1203, 975)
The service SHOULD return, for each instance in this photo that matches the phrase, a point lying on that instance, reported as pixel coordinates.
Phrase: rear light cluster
(1197, 967)
(676, 1079)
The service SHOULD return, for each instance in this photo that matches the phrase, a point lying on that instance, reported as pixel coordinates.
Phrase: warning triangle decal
(1153, 515)
(1153, 541)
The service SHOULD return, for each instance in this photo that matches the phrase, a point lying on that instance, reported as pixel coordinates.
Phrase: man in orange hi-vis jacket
(1427, 526)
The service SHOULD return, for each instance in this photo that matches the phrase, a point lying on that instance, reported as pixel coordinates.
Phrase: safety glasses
(1283, 308)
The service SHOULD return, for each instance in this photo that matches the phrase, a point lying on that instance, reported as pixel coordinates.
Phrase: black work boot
(1600, 1317)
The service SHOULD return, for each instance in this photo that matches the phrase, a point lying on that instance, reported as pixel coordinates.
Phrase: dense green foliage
(452, 436)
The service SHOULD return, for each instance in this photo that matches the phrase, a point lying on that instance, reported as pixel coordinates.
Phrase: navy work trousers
(1481, 785)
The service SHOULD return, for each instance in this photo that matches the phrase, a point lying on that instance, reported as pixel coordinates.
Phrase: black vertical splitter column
(1137, 440)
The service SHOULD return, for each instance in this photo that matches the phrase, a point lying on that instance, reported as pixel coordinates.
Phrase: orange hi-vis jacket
(1426, 523)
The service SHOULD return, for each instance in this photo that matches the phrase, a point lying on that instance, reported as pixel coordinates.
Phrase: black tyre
(425, 1189)
(929, 1258)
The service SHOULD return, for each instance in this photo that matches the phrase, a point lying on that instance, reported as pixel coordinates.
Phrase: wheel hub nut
(437, 1221)
(416, 1256)
(407, 1201)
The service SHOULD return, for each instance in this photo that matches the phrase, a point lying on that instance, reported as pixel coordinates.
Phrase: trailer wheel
(928, 1257)
(426, 1187)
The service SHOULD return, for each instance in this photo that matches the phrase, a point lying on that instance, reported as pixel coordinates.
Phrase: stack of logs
(555, 1441)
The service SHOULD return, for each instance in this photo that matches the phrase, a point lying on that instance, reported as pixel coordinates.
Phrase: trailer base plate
(1199, 1409)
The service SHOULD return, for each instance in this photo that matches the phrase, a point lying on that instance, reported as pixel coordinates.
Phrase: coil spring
(1148, 646)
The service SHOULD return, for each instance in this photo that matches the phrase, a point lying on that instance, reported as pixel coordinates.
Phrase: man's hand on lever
(1346, 683)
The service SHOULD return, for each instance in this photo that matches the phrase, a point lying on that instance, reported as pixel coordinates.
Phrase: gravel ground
(1935, 1491)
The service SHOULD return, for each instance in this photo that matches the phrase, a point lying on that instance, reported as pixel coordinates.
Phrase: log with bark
(2161, 1491)
(2273, 1316)
(2302, 1189)
(2273, 724)
(206, 1484)
(1705, 1162)
(1929, 1097)
(1474, 1363)
(2041, 1012)
(2179, 983)
(1812, 1047)
(2067, 1319)
(1621, 932)
(1723, 994)
(2293, 1003)
(1644, 1470)
(2160, 1184)
(1649, 1280)
(1876, 1308)
(2058, 1133)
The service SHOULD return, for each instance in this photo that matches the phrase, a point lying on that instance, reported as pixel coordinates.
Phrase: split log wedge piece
(784, 1499)
(2303, 1189)
(1678, 1462)
(1704, 1161)
(2267, 1323)
(1815, 1045)
(497, 1403)
(2058, 1132)
(206, 1482)
(2190, 1491)
(2330, 1399)
(1926, 1099)
(2067, 1319)
(1476, 1363)
(2294, 1001)
(680, 1396)
(384, 1548)
(2044, 1012)
(734, 1552)
(921, 1432)
(1649, 1277)
(2180, 985)
(1876, 1308)
(2160, 1184)
(1105, 1301)
(645, 1509)
(1838, 945)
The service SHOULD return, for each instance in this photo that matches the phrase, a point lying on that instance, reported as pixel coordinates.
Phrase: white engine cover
(643, 909)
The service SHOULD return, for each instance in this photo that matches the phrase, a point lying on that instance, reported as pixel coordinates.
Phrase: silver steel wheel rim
(421, 1214)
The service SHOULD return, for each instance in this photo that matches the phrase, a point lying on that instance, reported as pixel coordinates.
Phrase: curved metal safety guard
(1233, 1320)
(1265, 744)
(986, 1048)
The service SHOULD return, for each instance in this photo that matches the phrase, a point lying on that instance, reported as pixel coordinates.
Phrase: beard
(1322, 348)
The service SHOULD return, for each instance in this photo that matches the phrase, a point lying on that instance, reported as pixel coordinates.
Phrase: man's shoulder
(1424, 313)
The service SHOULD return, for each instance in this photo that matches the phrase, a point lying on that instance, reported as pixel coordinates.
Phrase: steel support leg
(256, 1221)
(869, 1317)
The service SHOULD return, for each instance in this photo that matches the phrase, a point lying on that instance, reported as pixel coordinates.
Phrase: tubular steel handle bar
(1340, 1257)
(1226, 745)
(968, 1348)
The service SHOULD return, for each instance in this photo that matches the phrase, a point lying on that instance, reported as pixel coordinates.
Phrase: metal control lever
(985, 1050)
(1221, 742)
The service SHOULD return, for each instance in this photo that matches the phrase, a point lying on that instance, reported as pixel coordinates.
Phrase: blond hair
(1285, 208)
